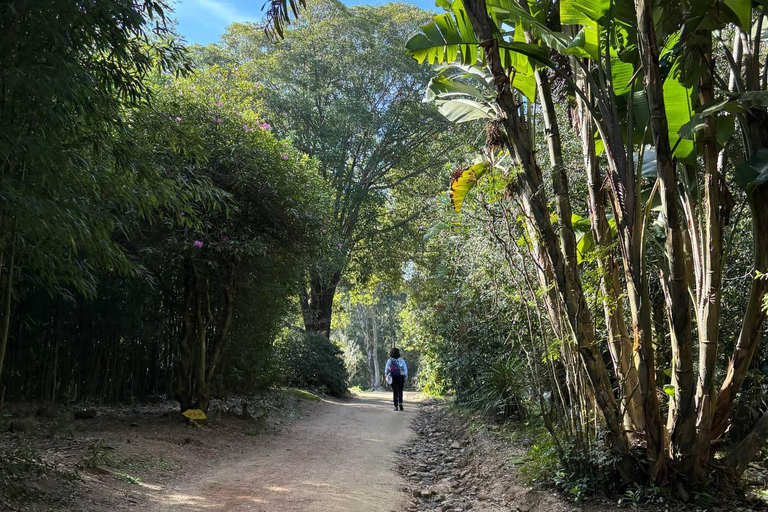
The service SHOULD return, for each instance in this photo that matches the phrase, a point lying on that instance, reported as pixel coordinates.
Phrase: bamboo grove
(669, 102)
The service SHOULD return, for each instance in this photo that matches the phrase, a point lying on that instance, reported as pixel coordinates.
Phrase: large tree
(340, 85)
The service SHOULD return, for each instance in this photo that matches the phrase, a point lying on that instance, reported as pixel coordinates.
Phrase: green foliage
(205, 182)
(257, 201)
(310, 360)
(541, 462)
(67, 168)
(499, 389)
(340, 87)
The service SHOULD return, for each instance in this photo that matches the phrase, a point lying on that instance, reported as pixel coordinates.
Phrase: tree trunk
(711, 278)
(748, 449)
(182, 387)
(630, 221)
(368, 347)
(752, 323)
(375, 342)
(7, 298)
(317, 303)
(202, 319)
(676, 291)
(226, 322)
(619, 343)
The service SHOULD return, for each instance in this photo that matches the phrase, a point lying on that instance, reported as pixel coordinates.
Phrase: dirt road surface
(339, 457)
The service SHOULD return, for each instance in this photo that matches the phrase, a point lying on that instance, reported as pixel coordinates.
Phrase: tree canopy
(356, 107)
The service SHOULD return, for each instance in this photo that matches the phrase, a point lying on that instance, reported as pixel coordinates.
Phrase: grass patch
(124, 477)
(302, 394)
(148, 464)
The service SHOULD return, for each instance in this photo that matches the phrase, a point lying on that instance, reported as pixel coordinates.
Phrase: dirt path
(340, 457)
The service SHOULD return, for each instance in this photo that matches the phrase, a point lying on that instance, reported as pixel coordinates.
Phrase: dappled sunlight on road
(338, 457)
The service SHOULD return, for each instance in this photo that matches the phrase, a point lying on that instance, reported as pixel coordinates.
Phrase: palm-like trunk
(619, 342)
(712, 266)
(752, 322)
(676, 289)
(630, 221)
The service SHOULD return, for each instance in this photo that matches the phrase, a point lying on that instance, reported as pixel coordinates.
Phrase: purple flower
(178, 118)
(218, 103)
(198, 244)
(225, 239)
(325, 231)
(246, 128)
(339, 245)
(265, 126)
(285, 157)
(217, 119)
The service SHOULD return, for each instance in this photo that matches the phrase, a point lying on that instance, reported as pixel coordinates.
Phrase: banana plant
(644, 77)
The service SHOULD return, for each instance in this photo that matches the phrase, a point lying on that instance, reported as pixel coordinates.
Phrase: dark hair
(394, 353)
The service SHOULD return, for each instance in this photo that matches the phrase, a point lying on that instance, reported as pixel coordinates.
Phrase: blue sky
(203, 21)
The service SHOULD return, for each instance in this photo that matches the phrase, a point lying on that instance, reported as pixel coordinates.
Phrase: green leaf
(725, 126)
(678, 105)
(753, 173)
(585, 241)
(465, 181)
(724, 109)
(435, 230)
(463, 110)
(526, 84)
(445, 39)
(510, 11)
(621, 75)
(441, 87)
(450, 37)
(583, 12)
(585, 44)
(677, 101)
(743, 11)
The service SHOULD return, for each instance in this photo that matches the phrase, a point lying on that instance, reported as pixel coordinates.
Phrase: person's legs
(400, 380)
(395, 395)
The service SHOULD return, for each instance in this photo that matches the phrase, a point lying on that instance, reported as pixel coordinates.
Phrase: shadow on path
(338, 458)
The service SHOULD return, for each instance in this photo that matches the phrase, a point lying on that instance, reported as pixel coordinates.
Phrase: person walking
(396, 373)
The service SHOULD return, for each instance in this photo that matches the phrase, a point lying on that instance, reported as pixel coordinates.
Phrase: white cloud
(221, 9)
